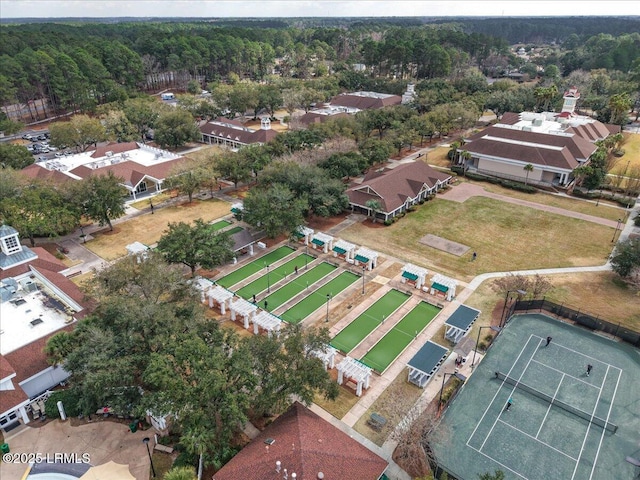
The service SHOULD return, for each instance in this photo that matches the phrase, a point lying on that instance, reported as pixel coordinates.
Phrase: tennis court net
(558, 403)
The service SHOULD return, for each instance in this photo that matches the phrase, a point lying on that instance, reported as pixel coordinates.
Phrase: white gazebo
(202, 285)
(344, 250)
(138, 249)
(366, 257)
(414, 275)
(221, 296)
(355, 371)
(443, 286)
(304, 234)
(245, 309)
(322, 241)
(266, 321)
(327, 356)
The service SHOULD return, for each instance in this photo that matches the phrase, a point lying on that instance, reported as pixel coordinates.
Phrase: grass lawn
(148, 229)
(393, 404)
(438, 157)
(162, 463)
(205, 152)
(396, 340)
(351, 335)
(299, 283)
(156, 199)
(253, 267)
(506, 237)
(631, 157)
(597, 293)
(318, 298)
(604, 210)
(341, 405)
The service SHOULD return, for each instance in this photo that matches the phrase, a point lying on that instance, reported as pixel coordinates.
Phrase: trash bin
(133, 426)
(4, 448)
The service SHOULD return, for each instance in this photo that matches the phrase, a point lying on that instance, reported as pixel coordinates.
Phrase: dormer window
(10, 244)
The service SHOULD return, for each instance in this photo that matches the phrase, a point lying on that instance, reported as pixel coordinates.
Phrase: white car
(58, 154)
(52, 148)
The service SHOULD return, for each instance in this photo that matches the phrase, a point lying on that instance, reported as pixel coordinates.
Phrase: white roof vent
(109, 154)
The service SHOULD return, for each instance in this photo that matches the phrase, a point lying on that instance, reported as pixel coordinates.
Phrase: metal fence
(583, 319)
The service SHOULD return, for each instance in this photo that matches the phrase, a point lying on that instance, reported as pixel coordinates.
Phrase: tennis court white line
(579, 353)
(570, 376)
(550, 404)
(593, 413)
(595, 460)
(498, 391)
(499, 463)
(539, 441)
(512, 390)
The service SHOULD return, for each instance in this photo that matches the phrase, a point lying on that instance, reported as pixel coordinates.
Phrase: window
(11, 245)
(142, 187)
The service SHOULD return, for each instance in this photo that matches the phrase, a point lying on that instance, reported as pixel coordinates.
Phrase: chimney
(278, 465)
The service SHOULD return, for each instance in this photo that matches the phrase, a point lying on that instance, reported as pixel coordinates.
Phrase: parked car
(26, 136)
(42, 159)
(30, 148)
(42, 137)
(68, 152)
(59, 154)
(52, 148)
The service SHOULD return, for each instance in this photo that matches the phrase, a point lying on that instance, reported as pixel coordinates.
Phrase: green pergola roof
(440, 287)
(317, 242)
(362, 259)
(298, 234)
(236, 210)
(411, 276)
(339, 250)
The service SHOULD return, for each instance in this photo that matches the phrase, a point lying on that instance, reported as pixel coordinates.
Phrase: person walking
(474, 256)
(589, 368)
(548, 341)
(254, 298)
(151, 204)
(296, 269)
(509, 403)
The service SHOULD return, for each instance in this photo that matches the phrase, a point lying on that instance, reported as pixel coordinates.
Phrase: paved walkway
(102, 441)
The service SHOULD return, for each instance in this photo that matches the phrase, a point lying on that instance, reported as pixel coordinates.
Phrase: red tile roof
(305, 444)
(131, 172)
(391, 187)
(44, 262)
(5, 368)
(37, 172)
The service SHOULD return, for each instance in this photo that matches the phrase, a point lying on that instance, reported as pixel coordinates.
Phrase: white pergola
(237, 207)
(266, 321)
(444, 286)
(367, 257)
(221, 296)
(326, 356)
(415, 274)
(138, 249)
(352, 369)
(243, 308)
(304, 233)
(202, 285)
(323, 241)
(344, 249)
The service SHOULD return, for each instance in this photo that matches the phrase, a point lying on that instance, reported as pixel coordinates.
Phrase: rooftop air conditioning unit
(109, 154)
(29, 285)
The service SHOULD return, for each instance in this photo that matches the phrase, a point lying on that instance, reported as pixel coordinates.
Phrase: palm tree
(373, 206)
(527, 168)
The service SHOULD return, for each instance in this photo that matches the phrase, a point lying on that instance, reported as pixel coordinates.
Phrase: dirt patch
(445, 245)
(371, 224)
(322, 224)
(108, 232)
(187, 205)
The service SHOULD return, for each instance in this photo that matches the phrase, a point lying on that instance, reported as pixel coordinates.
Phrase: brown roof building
(143, 168)
(232, 134)
(365, 100)
(304, 444)
(396, 189)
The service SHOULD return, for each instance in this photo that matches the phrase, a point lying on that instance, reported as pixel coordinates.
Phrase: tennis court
(274, 275)
(253, 267)
(318, 297)
(562, 423)
(351, 335)
(298, 284)
(400, 336)
(220, 225)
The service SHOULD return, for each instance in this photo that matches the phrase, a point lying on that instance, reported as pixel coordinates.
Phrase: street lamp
(268, 281)
(495, 329)
(82, 234)
(145, 440)
(616, 230)
(326, 320)
(506, 299)
(444, 378)
(364, 269)
(306, 256)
